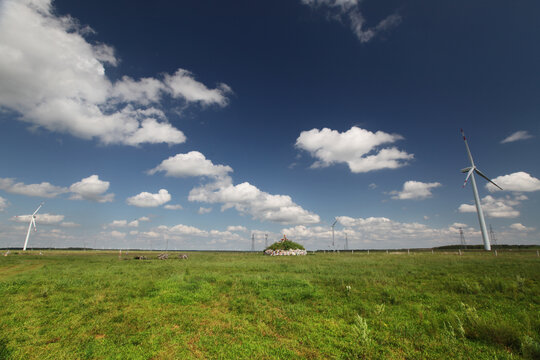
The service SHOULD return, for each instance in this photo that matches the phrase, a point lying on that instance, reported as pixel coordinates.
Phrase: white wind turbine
(470, 174)
(32, 222)
(333, 242)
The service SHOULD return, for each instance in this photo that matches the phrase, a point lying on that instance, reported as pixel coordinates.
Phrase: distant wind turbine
(333, 242)
(32, 222)
(470, 174)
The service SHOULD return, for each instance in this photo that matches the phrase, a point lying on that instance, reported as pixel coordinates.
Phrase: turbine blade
(34, 223)
(485, 177)
(468, 176)
(466, 169)
(39, 207)
(468, 150)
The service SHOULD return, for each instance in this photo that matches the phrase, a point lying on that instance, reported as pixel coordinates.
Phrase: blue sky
(198, 123)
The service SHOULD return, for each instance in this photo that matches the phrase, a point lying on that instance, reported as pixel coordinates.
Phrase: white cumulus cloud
(521, 227)
(46, 219)
(249, 199)
(244, 197)
(496, 207)
(54, 78)
(518, 135)
(91, 188)
(44, 189)
(191, 164)
(146, 199)
(118, 223)
(235, 228)
(518, 182)
(358, 148)
(203, 210)
(415, 190)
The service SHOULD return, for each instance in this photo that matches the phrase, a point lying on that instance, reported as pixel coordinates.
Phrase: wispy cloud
(348, 11)
(518, 135)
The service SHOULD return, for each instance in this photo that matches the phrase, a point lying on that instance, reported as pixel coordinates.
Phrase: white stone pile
(291, 252)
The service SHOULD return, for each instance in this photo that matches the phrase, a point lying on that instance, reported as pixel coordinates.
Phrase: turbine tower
(333, 242)
(32, 222)
(252, 241)
(265, 241)
(346, 242)
(470, 174)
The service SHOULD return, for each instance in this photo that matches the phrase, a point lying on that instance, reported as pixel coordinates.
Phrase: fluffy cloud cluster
(521, 227)
(91, 188)
(191, 164)
(358, 148)
(237, 228)
(348, 11)
(46, 219)
(496, 207)
(44, 189)
(248, 199)
(244, 197)
(376, 232)
(518, 182)
(416, 190)
(40, 49)
(518, 135)
(146, 199)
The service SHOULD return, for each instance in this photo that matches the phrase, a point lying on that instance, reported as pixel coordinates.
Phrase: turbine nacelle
(473, 169)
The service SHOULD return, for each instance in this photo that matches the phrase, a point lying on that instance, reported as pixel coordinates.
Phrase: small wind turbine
(470, 174)
(32, 222)
(333, 242)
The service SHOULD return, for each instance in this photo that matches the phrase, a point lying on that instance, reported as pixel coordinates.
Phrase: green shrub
(285, 245)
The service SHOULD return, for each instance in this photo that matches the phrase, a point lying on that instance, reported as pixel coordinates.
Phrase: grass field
(86, 305)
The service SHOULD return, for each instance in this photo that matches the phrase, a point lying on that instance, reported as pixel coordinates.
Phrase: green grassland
(92, 305)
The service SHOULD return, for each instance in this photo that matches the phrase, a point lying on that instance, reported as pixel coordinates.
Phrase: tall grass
(92, 305)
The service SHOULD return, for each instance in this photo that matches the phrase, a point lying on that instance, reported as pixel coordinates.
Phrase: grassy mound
(285, 245)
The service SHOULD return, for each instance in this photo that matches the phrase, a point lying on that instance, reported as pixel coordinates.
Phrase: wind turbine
(333, 242)
(32, 222)
(470, 174)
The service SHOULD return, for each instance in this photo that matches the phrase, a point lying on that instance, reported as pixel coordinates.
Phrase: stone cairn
(163, 256)
(279, 252)
(182, 256)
